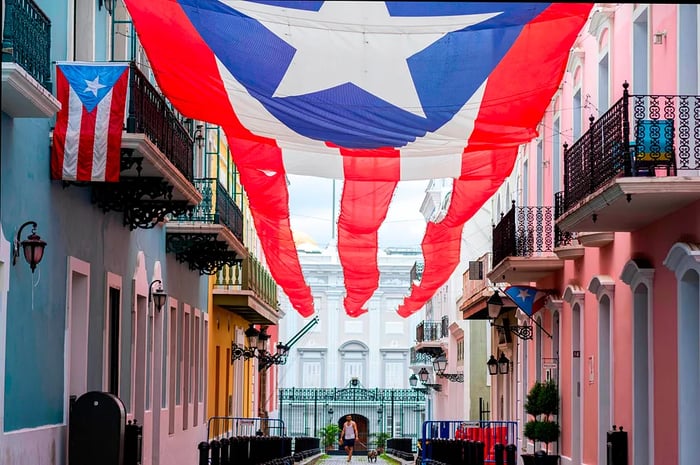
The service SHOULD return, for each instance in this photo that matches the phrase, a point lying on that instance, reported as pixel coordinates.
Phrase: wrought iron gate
(397, 412)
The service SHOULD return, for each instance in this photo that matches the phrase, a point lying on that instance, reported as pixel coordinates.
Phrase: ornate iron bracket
(127, 160)
(201, 251)
(432, 352)
(524, 332)
(145, 201)
(453, 377)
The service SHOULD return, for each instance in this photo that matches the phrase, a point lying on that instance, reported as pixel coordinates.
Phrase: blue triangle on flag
(529, 299)
(92, 82)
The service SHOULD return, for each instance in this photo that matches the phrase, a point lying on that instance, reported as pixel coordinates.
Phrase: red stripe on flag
(363, 208)
(116, 125)
(371, 165)
(86, 146)
(59, 132)
(269, 204)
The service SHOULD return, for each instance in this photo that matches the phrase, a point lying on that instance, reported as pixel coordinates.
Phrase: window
(556, 156)
(688, 49)
(173, 357)
(603, 84)
(394, 375)
(640, 53)
(113, 322)
(540, 174)
(352, 370)
(197, 367)
(311, 374)
(186, 360)
(526, 183)
(578, 111)
(83, 37)
(164, 359)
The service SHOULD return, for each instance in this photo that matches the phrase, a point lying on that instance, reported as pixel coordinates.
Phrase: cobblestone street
(343, 460)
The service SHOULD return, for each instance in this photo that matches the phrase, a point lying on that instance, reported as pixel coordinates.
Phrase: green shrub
(532, 402)
(548, 431)
(542, 402)
(329, 435)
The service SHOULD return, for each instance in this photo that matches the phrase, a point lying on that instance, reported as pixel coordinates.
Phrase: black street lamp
(500, 366)
(492, 364)
(158, 296)
(503, 364)
(440, 365)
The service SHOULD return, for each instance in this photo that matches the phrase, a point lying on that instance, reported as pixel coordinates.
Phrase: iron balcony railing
(249, 275)
(428, 331)
(420, 357)
(522, 232)
(150, 114)
(635, 137)
(26, 39)
(561, 238)
(216, 207)
(417, 271)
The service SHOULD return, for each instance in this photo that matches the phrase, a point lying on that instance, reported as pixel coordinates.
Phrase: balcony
(156, 162)
(417, 272)
(566, 244)
(211, 235)
(635, 165)
(248, 290)
(523, 246)
(26, 62)
(429, 338)
(420, 358)
(476, 290)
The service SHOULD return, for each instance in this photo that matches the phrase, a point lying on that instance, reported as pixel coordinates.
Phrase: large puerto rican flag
(372, 93)
(87, 138)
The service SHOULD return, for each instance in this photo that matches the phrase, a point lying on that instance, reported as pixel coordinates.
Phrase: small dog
(372, 455)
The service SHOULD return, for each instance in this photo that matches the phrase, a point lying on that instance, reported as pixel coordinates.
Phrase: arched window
(603, 287)
(353, 362)
(640, 277)
(574, 296)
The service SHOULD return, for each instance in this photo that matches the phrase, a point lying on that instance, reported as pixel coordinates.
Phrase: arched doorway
(362, 430)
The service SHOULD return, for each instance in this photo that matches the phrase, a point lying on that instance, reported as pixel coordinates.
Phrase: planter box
(531, 459)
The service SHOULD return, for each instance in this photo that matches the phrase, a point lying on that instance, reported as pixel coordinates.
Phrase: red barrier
(490, 436)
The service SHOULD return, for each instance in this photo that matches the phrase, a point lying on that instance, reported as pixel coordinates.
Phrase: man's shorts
(349, 442)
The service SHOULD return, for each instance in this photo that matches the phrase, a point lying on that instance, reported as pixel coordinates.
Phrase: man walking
(348, 435)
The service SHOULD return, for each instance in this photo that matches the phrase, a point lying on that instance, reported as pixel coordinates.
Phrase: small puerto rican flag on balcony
(87, 138)
(529, 299)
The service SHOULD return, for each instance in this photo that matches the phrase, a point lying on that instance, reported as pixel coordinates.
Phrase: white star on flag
(524, 294)
(93, 86)
(330, 47)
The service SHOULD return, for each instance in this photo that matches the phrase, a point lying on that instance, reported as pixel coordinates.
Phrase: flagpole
(539, 325)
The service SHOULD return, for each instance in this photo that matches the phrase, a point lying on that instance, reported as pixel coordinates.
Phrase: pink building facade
(605, 215)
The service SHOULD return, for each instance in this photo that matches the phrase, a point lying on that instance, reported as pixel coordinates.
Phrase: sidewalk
(342, 460)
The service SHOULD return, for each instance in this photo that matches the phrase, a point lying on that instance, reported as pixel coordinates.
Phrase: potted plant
(381, 441)
(329, 435)
(542, 404)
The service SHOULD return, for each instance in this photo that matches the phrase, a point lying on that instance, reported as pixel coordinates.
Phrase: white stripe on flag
(70, 155)
(99, 150)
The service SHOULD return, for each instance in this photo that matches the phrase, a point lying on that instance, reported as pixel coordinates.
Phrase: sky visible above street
(311, 209)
